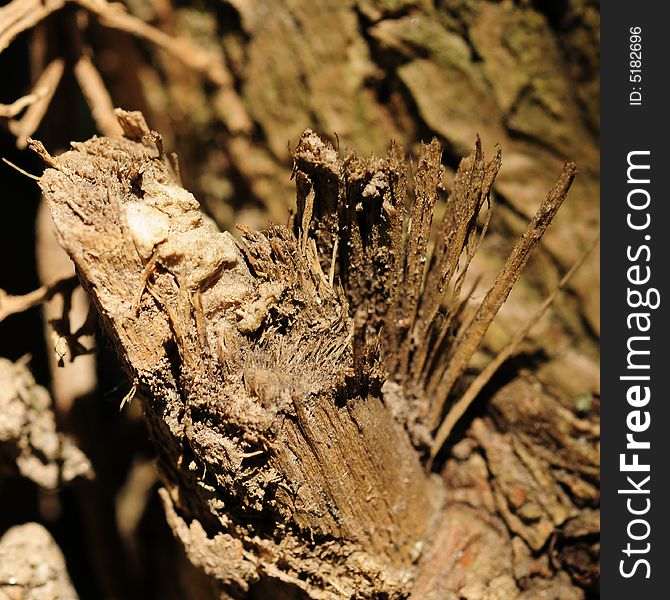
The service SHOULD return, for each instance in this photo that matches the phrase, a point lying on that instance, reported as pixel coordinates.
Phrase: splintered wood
(292, 381)
(243, 357)
(403, 295)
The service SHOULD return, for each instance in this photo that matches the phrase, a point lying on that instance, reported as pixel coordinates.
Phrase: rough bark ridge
(285, 379)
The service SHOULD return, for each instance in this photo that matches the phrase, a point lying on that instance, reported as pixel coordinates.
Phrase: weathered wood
(288, 434)
(277, 453)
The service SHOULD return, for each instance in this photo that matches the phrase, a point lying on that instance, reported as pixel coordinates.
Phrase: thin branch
(97, 97)
(10, 305)
(20, 15)
(464, 402)
(8, 111)
(48, 81)
(207, 63)
(468, 342)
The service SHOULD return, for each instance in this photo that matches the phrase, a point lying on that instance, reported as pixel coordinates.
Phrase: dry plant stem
(10, 305)
(20, 15)
(468, 340)
(477, 385)
(47, 81)
(182, 49)
(285, 460)
(97, 97)
(7, 111)
(269, 439)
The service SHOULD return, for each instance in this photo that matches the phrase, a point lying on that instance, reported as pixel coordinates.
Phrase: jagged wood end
(262, 392)
(470, 336)
(477, 385)
(401, 276)
(285, 378)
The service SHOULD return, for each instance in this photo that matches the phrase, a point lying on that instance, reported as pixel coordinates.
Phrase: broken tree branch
(469, 339)
(286, 446)
(10, 305)
(275, 438)
(462, 404)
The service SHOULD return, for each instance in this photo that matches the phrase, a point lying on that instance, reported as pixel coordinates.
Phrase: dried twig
(48, 82)
(20, 15)
(470, 337)
(10, 305)
(97, 97)
(477, 385)
(8, 111)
